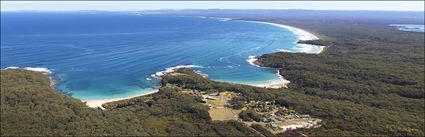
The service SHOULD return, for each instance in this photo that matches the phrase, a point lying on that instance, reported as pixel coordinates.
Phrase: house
(239, 94)
(304, 116)
(291, 127)
(214, 94)
(273, 125)
(291, 116)
(280, 118)
(209, 98)
(263, 119)
(204, 100)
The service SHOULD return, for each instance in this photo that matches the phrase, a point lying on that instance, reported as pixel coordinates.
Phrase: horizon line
(200, 9)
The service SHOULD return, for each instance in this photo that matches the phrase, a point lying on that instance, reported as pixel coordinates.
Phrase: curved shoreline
(279, 83)
(301, 35)
(305, 48)
(99, 103)
(282, 82)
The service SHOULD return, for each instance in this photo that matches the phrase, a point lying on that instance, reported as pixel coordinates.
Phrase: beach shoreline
(304, 48)
(97, 103)
(301, 35)
(281, 82)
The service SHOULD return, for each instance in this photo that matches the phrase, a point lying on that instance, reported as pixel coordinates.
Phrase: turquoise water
(105, 56)
(409, 27)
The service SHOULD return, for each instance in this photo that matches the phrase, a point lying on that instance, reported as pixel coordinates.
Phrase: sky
(156, 5)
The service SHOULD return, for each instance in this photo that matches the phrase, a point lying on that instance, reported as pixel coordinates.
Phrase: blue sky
(151, 5)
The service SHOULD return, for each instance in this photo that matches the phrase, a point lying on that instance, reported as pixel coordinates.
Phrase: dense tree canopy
(30, 107)
(368, 81)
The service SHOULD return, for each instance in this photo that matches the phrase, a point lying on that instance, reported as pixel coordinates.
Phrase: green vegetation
(29, 107)
(315, 42)
(369, 81)
(237, 102)
(262, 130)
(250, 115)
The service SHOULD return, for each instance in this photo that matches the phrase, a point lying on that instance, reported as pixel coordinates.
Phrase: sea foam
(159, 74)
(301, 35)
(251, 60)
(36, 69)
(304, 48)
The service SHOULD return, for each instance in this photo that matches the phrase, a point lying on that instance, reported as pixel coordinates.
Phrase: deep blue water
(104, 56)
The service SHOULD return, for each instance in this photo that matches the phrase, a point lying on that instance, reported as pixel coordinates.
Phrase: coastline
(99, 103)
(304, 48)
(281, 83)
(252, 60)
(159, 74)
(275, 83)
(90, 103)
(301, 35)
(45, 71)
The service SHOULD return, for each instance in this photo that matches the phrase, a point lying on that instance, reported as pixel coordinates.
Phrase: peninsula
(369, 81)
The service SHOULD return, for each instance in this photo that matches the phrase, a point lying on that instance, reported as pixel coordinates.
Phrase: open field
(219, 110)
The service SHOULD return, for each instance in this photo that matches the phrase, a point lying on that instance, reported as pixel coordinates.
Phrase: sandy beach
(90, 103)
(99, 103)
(304, 48)
(301, 34)
(277, 83)
(281, 83)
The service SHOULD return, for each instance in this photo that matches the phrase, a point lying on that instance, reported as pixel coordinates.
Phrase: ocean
(96, 56)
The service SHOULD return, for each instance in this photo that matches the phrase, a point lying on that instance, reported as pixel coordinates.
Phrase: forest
(30, 107)
(369, 81)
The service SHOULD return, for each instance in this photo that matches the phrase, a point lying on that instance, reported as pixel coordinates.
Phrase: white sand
(304, 48)
(100, 102)
(281, 83)
(90, 103)
(302, 35)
